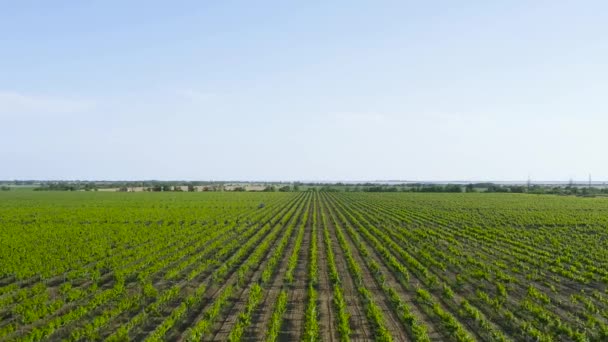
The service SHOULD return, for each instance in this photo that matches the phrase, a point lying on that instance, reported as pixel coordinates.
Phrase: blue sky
(316, 90)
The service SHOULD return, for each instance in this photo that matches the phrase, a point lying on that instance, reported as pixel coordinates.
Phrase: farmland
(302, 266)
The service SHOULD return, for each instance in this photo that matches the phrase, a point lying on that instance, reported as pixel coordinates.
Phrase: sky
(309, 90)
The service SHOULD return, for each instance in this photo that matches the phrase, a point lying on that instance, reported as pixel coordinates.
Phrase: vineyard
(302, 266)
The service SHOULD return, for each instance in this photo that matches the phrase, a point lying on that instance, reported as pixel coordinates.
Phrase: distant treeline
(66, 186)
(460, 188)
(473, 187)
(153, 186)
(181, 186)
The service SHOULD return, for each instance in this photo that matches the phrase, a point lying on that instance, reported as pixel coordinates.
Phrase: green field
(309, 266)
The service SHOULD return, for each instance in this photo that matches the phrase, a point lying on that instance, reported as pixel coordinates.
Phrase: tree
(453, 188)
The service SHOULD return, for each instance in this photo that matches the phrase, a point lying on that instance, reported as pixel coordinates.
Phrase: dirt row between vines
(260, 317)
(222, 327)
(361, 329)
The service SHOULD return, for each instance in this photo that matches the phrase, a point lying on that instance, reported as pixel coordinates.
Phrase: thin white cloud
(19, 104)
